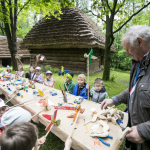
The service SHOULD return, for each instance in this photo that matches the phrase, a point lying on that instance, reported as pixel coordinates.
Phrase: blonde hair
(21, 67)
(82, 76)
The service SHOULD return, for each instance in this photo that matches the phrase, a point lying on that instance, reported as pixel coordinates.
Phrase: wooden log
(77, 59)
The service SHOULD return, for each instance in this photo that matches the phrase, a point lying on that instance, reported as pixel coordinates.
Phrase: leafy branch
(131, 17)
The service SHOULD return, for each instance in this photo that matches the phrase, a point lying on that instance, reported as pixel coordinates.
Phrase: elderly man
(136, 41)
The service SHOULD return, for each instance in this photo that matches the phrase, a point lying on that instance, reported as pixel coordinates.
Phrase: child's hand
(68, 144)
(87, 86)
(42, 140)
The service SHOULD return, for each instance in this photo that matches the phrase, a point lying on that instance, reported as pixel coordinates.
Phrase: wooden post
(88, 74)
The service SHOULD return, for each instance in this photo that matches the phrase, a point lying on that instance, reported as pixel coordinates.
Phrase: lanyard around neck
(137, 73)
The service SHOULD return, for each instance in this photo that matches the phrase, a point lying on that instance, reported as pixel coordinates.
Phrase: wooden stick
(10, 99)
(46, 136)
(20, 61)
(74, 125)
(65, 84)
(88, 74)
(37, 113)
(22, 104)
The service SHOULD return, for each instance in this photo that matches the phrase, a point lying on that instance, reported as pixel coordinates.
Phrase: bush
(113, 77)
(55, 70)
(48, 67)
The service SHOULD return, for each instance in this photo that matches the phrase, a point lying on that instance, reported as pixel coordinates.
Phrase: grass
(113, 88)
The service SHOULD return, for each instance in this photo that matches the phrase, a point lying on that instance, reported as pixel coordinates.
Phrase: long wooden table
(81, 139)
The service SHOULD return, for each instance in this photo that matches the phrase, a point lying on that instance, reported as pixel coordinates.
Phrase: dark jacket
(140, 112)
(83, 93)
(28, 75)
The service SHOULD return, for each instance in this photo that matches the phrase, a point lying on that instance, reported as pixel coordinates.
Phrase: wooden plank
(77, 59)
(54, 54)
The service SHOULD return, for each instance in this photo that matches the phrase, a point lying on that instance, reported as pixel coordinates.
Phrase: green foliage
(121, 61)
(48, 67)
(27, 10)
(54, 70)
(113, 77)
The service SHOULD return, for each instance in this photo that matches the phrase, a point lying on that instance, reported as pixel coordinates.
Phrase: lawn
(112, 87)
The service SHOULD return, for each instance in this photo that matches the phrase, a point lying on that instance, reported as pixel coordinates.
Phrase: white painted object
(104, 125)
(104, 134)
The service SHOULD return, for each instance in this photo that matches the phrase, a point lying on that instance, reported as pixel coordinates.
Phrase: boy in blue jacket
(80, 87)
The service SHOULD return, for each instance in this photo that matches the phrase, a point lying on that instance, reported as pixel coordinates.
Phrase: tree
(10, 10)
(115, 14)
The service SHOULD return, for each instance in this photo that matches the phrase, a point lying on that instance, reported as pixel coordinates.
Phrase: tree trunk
(11, 43)
(107, 60)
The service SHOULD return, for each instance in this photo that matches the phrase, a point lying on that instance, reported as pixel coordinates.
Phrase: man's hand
(106, 102)
(133, 136)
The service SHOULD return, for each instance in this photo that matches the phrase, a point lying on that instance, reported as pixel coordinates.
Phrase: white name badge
(132, 90)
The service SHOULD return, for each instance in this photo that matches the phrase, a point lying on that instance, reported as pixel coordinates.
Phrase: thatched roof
(4, 51)
(74, 30)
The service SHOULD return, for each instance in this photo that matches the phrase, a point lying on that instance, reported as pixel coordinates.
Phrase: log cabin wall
(71, 59)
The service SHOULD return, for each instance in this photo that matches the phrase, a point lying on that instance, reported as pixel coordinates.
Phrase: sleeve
(40, 79)
(65, 89)
(45, 82)
(144, 130)
(121, 98)
(72, 88)
(75, 90)
(27, 75)
(106, 95)
(22, 74)
(91, 93)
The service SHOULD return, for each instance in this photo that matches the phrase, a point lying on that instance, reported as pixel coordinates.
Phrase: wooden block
(124, 133)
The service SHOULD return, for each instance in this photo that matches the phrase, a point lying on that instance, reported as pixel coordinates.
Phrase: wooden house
(5, 57)
(64, 42)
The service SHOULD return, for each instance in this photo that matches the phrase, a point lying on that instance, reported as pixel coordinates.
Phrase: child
(30, 75)
(80, 87)
(98, 92)
(21, 136)
(69, 84)
(20, 72)
(49, 81)
(10, 116)
(38, 77)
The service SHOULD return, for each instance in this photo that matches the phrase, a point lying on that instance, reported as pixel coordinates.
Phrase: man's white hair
(136, 31)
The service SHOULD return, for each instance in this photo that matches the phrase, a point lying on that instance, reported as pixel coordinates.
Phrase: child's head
(81, 79)
(38, 70)
(31, 69)
(98, 84)
(21, 136)
(69, 76)
(48, 74)
(20, 68)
